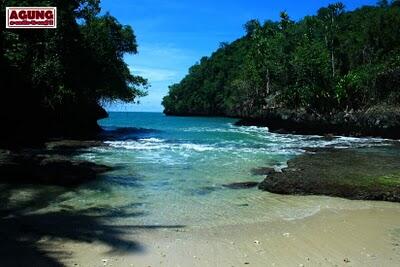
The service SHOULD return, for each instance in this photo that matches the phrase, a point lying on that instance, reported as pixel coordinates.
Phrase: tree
(251, 26)
(60, 76)
(383, 3)
(395, 3)
(334, 61)
(330, 17)
(285, 22)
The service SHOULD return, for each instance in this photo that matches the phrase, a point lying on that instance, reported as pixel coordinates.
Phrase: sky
(174, 34)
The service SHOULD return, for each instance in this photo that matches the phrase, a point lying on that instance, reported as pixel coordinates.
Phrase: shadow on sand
(27, 225)
(34, 183)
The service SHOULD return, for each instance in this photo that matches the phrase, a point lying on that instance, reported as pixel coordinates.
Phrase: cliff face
(33, 125)
(380, 121)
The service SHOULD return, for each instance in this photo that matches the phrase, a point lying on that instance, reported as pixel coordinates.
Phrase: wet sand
(362, 237)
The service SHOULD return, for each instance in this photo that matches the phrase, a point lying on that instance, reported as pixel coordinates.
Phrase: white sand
(363, 237)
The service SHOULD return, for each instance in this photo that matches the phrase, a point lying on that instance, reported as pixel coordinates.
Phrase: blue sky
(174, 34)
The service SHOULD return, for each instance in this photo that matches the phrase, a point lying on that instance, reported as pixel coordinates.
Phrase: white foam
(152, 139)
(260, 142)
(158, 144)
(196, 147)
(137, 145)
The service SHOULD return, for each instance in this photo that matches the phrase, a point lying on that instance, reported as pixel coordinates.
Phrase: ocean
(172, 171)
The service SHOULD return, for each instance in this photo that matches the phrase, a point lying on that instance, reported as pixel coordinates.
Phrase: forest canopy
(53, 80)
(336, 60)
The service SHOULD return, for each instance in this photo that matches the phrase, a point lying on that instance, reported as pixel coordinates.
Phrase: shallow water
(171, 171)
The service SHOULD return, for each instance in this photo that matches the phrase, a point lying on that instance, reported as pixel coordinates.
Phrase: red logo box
(31, 17)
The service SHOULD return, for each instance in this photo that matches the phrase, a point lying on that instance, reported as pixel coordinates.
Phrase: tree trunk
(268, 83)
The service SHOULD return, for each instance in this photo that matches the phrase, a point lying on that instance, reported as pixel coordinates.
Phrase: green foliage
(56, 74)
(332, 61)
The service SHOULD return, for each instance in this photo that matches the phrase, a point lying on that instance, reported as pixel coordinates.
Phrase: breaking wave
(259, 141)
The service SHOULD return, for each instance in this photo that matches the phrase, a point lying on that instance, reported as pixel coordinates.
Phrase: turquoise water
(171, 170)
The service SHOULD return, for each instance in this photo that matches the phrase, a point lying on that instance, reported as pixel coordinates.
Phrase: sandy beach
(168, 200)
(365, 237)
(200, 133)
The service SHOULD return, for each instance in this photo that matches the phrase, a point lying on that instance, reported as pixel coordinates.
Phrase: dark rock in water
(73, 144)
(32, 167)
(363, 173)
(263, 171)
(241, 185)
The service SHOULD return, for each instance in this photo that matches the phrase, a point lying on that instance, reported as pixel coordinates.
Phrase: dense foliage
(333, 61)
(53, 80)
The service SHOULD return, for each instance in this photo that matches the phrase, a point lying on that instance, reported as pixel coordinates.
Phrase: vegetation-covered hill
(53, 80)
(335, 61)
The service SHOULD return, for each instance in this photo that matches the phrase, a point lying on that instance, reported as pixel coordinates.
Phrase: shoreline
(366, 237)
(380, 121)
(377, 121)
(360, 234)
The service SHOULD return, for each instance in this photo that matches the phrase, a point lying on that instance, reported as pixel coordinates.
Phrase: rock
(381, 121)
(42, 167)
(73, 144)
(241, 185)
(263, 171)
(360, 173)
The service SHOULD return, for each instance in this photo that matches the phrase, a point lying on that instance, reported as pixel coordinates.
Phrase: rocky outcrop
(67, 145)
(363, 173)
(33, 126)
(31, 166)
(381, 121)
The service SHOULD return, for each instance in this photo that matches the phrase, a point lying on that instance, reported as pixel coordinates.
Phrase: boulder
(32, 167)
(360, 173)
(263, 171)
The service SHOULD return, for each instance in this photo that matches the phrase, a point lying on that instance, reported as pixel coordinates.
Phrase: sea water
(172, 171)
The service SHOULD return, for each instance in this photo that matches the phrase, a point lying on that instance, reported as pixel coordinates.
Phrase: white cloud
(154, 74)
(164, 51)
